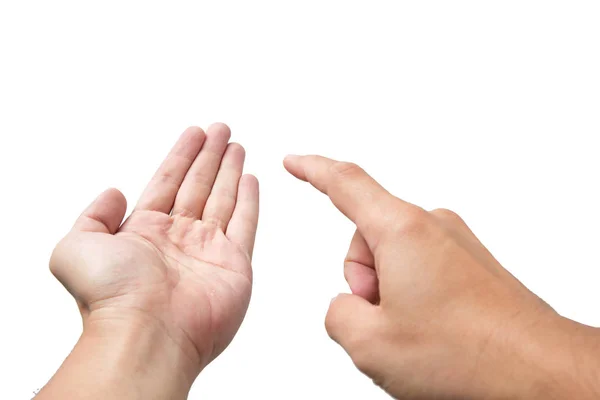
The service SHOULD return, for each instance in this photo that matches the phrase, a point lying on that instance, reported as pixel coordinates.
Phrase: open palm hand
(182, 260)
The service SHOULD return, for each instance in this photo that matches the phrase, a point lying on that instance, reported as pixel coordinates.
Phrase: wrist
(557, 359)
(126, 359)
(548, 357)
(143, 345)
(569, 354)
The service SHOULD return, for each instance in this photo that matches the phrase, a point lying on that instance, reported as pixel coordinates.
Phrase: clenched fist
(433, 315)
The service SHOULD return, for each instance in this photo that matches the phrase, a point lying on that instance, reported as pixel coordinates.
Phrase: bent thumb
(349, 320)
(105, 214)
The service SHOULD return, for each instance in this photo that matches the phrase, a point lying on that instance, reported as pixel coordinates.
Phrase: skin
(162, 294)
(432, 314)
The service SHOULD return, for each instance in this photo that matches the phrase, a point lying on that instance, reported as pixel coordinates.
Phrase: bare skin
(162, 294)
(432, 314)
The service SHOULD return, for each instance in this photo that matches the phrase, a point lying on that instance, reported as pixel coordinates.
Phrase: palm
(183, 256)
(197, 268)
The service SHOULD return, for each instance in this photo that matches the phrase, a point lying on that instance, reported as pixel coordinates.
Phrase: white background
(488, 108)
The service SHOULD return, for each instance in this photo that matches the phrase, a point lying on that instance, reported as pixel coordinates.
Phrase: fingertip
(291, 159)
(194, 132)
(250, 181)
(115, 197)
(105, 214)
(235, 146)
(219, 128)
(237, 153)
(293, 164)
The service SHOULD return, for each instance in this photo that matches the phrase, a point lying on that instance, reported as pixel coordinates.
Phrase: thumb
(104, 215)
(73, 262)
(351, 322)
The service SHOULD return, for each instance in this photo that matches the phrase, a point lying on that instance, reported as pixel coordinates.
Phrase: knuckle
(184, 211)
(445, 214)
(225, 194)
(345, 169)
(166, 177)
(202, 180)
(214, 221)
(412, 222)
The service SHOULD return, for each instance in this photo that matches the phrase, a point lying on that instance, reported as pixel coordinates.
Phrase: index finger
(356, 194)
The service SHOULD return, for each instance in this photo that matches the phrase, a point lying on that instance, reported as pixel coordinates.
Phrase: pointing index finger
(356, 194)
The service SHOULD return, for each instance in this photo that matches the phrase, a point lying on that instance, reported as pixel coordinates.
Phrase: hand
(181, 263)
(433, 315)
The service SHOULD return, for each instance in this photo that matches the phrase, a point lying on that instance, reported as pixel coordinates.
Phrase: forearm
(110, 362)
